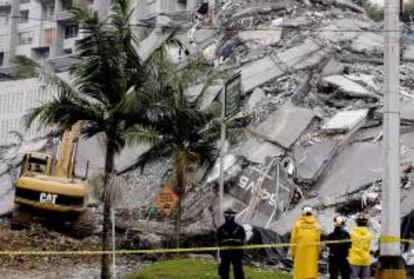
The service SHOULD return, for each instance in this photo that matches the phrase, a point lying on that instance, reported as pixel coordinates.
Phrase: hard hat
(339, 221)
(307, 210)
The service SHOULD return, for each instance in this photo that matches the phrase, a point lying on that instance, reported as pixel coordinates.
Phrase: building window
(71, 31)
(24, 16)
(24, 1)
(48, 11)
(1, 58)
(49, 35)
(4, 18)
(25, 38)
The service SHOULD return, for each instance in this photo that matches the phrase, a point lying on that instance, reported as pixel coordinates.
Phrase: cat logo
(48, 198)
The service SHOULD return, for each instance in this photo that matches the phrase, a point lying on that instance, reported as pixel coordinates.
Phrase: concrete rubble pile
(311, 75)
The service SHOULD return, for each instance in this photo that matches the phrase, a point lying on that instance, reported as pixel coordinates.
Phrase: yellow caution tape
(384, 239)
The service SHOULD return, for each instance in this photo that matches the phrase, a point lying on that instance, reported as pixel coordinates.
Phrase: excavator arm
(64, 166)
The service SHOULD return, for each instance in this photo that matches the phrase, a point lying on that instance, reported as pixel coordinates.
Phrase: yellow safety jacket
(305, 239)
(361, 239)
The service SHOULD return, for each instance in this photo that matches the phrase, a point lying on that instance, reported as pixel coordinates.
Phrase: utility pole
(222, 155)
(390, 262)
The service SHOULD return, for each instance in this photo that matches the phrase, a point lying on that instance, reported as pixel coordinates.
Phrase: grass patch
(200, 269)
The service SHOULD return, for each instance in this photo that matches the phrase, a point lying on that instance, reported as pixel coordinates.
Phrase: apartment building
(45, 31)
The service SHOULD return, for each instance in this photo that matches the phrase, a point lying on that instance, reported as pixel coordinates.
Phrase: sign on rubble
(232, 92)
(166, 199)
(265, 192)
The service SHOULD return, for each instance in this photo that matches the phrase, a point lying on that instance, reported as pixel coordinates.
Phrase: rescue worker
(305, 247)
(359, 254)
(231, 234)
(338, 252)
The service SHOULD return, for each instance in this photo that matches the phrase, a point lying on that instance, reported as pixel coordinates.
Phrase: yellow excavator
(48, 184)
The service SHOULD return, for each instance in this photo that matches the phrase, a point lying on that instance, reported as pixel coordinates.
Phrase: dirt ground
(40, 238)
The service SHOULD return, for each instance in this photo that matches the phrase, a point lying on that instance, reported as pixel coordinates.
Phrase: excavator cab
(39, 163)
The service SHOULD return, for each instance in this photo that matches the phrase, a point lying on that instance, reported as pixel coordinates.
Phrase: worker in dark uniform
(231, 234)
(338, 252)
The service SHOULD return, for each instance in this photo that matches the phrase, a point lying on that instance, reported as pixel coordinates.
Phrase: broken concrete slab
(90, 156)
(263, 36)
(355, 167)
(285, 125)
(345, 121)
(257, 96)
(163, 30)
(256, 150)
(208, 97)
(192, 93)
(347, 86)
(333, 67)
(202, 38)
(368, 43)
(230, 168)
(150, 44)
(406, 109)
(339, 30)
(307, 54)
(297, 21)
(408, 53)
(364, 80)
(259, 72)
(312, 160)
(202, 96)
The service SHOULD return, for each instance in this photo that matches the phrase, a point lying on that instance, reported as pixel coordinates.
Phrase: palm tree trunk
(177, 228)
(180, 165)
(109, 167)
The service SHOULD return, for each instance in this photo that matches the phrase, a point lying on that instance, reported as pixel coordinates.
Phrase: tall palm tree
(187, 134)
(111, 92)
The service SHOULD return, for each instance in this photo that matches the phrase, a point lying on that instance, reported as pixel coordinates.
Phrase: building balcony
(63, 15)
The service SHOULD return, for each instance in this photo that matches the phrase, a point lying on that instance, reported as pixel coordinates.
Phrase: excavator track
(21, 219)
(84, 224)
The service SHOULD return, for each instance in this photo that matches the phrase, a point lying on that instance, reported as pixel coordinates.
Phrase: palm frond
(139, 134)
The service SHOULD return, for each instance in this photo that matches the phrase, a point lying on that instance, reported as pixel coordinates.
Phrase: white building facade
(44, 29)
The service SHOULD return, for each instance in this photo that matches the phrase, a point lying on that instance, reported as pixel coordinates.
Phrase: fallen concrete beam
(345, 121)
(348, 87)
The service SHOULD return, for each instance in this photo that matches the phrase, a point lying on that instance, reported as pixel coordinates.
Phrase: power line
(325, 29)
